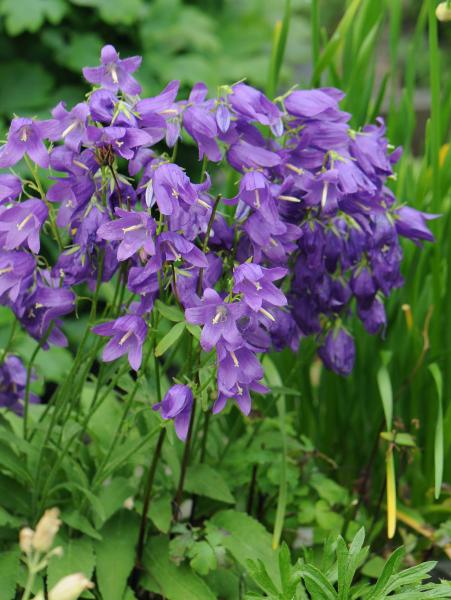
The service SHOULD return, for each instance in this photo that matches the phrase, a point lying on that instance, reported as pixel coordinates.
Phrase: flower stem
(9, 342)
(184, 467)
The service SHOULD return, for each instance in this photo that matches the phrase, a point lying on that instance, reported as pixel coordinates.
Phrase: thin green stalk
(41, 343)
(316, 39)
(184, 465)
(280, 36)
(9, 341)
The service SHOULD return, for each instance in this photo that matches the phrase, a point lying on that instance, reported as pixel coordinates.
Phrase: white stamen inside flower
(21, 225)
(114, 74)
(177, 256)
(240, 389)
(133, 228)
(5, 270)
(234, 358)
(273, 242)
(257, 199)
(175, 193)
(169, 111)
(289, 198)
(258, 286)
(24, 134)
(267, 314)
(202, 203)
(71, 127)
(324, 194)
(220, 316)
(125, 337)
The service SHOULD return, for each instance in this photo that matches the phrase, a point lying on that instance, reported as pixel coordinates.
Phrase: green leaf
(25, 86)
(171, 581)
(203, 480)
(391, 566)
(29, 15)
(171, 313)
(13, 463)
(79, 522)
(438, 439)
(316, 583)
(78, 557)
(116, 554)
(203, 558)
(260, 575)
(9, 571)
(385, 390)
(113, 495)
(170, 339)
(160, 512)
(247, 539)
(400, 439)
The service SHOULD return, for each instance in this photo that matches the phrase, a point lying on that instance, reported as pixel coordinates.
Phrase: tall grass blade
(336, 41)
(386, 393)
(438, 439)
(280, 36)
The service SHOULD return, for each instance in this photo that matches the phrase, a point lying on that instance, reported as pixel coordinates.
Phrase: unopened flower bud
(70, 587)
(46, 530)
(25, 539)
(58, 551)
(443, 11)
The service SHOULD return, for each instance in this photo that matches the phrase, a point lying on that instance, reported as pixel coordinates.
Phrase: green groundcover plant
(169, 440)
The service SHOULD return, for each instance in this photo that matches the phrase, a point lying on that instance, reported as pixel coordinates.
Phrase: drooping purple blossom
(13, 378)
(134, 230)
(26, 136)
(127, 334)
(21, 224)
(177, 405)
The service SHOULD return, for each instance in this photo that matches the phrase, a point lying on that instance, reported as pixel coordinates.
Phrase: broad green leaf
(116, 554)
(171, 313)
(329, 490)
(385, 390)
(9, 571)
(170, 339)
(166, 578)
(438, 440)
(203, 480)
(113, 495)
(29, 15)
(247, 539)
(160, 512)
(11, 462)
(78, 557)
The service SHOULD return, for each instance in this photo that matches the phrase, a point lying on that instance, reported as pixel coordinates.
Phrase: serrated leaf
(170, 339)
(79, 522)
(78, 557)
(316, 583)
(166, 578)
(203, 480)
(116, 554)
(391, 567)
(203, 558)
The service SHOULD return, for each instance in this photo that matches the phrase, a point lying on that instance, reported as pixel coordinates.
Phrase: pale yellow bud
(25, 539)
(46, 530)
(443, 12)
(70, 587)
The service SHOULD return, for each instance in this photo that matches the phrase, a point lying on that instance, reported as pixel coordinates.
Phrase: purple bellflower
(177, 405)
(127, 334)
(114, 73)
(21, 223)
(133, 229)
(26, 137)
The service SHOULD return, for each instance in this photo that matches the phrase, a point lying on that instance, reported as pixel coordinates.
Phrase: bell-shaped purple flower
(338, 351)
(123, 140)
(256, 285)
(412, 224)
(177, 405)
(16, 274)
(174, 247)
(252, 104)
(22, 223)
(314, 104)
(133, 229)
(363, 287)
(373, 318)
(218, 319)
(10, 187)
(170, 187)
(114, 73)
(13, 378)
(127, 334)
(70, 125)
(26, 137)
(237, 366)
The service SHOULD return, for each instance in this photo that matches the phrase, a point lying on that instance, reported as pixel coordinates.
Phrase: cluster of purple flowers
(311, 236)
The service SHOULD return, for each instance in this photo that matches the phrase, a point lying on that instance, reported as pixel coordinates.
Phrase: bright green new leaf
(170, 339)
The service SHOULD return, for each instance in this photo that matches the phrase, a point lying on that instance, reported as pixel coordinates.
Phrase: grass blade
(385, 390)
(280, 36)
(391, 493)
(438, 439)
